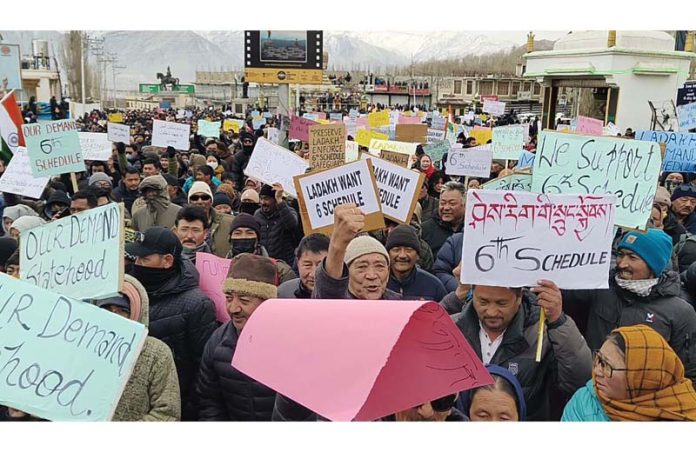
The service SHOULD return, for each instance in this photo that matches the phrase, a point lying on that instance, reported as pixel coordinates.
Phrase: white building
(617, 78)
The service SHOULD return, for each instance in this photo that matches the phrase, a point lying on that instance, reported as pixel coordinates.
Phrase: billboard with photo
(276, 56)
(10, 72)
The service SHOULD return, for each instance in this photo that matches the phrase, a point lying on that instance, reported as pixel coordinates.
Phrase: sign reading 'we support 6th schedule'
(54, 147)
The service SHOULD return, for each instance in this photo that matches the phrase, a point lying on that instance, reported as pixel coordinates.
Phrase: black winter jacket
(127, 197)
(239, 164)
(279, 232)
(226, 394)
(447, 259)
(436, 232)
(183, 317)
(419, 285)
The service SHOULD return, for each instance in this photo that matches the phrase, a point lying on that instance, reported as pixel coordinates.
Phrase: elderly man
(158, 210)
(683, 203)
(219, 224)
(450, 216)
(642, 289)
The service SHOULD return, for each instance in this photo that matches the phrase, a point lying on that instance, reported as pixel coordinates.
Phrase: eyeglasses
(199, 198)
(607, 369)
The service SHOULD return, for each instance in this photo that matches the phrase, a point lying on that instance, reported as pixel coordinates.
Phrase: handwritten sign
(209, 128)
(398, 188)
(437, 150)
(494, 107)
(118, 133)
(166, 133)
(54, 147)
(589, 126)
(474, 162)
(439, 123)
(378, 118)
(512, 182)
(577, 164)
(365, 373)
(352, 151)
(680, 153)
(63, 359)
(115, 117)
(364, 137)
(327, 146)
(320, 193)
(95, 146)
(299, 128)
(337, 117)
(687, 116)
(233, 125)
(257, 123)
(514, 239)
(507, 142)
(435, 136)
(394, 146)
(525, 160)
(396, 158)
(482, 134)
(271, 163)
(412, 133)
(80, 256)
(18, 178)
(213, 272)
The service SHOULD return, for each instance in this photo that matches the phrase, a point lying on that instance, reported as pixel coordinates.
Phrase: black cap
(156, 240)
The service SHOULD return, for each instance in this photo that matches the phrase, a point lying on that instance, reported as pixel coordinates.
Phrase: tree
(72, 57)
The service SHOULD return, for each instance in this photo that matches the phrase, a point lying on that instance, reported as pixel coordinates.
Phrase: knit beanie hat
(250, 195)
(662, 196)
(403, 235)
(99, 177)
(267, 190)
(221, 198)
(361, 246)
(653, 246)
(199, 187)
(252, 275)
(244, 220)
(684, 190)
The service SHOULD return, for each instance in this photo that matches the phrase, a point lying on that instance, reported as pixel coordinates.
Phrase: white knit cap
(200, 187)
(363, 245)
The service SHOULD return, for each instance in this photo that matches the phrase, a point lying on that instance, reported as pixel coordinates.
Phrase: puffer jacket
(566, 360)
(183, 317)
(449, 256)
(436, 232)
(279, 232)
(226, 394)
(600, 311)
(418, 285)
(584, 406)
(152, 392)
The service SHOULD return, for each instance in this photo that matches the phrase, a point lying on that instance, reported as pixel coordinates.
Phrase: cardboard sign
(435, 136)
(213, 272)
(398, 188)
(115, 117)
(514, 239)
(512, 182)
(589, 126)
(320, 193)
(474, 162)
(63, 359)
(54, 147)
(482, 134)
(437, 150)
(680, 153)
(209, 129)
(271, 163)
(167, 133)
(118, 133)
(412, 133)
(396, 158)
(299, 128)
(326, 360)
(507, 142)
(364, 137)
(494, 108)
(394, 146)
(378, 119)
(80, 256)
(687, 117)
(327, 146)
(352, 151)
(18, 178)
(95, 146)
(577, 164)
(525, 160)
(234, 125)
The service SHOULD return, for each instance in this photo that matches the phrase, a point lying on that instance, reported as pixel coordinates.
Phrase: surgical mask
(131, 157)
(213, 165)
(240, 246)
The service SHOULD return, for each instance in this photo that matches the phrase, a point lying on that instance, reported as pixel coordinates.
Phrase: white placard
(167, 133)
(474, 162)
(439, 123)
(435, 136)
(118, 133)
(514, 239)
(273, 134)
(270, 163)
(397, 187)
(95, 146)
(493, 107)
(18, 178)
(350, 183)
(352, 151)
(395, 146)
(507, 142)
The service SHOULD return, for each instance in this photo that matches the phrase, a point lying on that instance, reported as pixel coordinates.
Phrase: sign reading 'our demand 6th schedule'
(53, 147)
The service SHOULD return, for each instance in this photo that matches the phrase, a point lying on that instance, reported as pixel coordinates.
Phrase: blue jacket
(584, 406)
(189, 182)
(449, 256)
(419, 285)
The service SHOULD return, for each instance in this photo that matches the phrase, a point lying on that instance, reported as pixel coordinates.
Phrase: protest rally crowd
(624, 350)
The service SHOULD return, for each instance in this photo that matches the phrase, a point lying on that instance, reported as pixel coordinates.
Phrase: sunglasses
(444, 403)
(199, 198)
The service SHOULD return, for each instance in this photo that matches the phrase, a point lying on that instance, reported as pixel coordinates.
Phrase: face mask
(153, 278)
(213, 165)
(131, 158)
(240, 246)
(248, 207)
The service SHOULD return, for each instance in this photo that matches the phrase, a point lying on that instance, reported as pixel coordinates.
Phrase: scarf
(153, 279)
(657, 387)
(641, 287)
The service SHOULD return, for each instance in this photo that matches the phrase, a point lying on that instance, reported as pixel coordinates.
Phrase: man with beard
(279, 224)
(191, 228)
(158, 210)
(219, 224)
(241, 159)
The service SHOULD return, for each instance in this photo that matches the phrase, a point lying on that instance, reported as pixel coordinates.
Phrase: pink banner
(299, 128)
(361, 123)
(321, 115)
(212, 271)
(327, 360)
(589, 126)
(409, 119)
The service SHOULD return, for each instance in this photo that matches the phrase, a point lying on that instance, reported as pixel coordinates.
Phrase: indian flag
(10, 126)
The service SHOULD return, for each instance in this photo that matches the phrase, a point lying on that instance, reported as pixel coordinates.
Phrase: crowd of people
(623, 353)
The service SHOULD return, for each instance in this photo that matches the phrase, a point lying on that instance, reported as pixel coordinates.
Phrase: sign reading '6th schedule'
(53, 147)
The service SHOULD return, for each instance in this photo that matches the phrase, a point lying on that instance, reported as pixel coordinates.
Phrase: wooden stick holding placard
(540, 335)
(73, 178)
